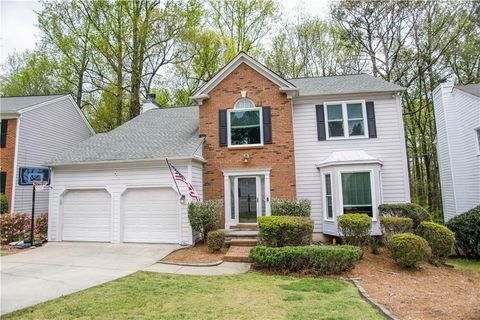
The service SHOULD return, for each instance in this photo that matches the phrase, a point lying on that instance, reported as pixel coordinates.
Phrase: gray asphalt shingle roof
(155, 134)
(356, 83)
(473, 89)
(16, 104)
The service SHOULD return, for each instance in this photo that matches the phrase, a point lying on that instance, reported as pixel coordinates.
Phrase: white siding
(116, 178)
(457, 116)
(388, 147)
(45, 132)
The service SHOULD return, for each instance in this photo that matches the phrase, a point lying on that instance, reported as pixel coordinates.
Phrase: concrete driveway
(61, 268)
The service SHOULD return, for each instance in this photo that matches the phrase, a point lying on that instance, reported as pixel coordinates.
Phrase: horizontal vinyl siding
(45, 132)
(115, 178)
(389, 147)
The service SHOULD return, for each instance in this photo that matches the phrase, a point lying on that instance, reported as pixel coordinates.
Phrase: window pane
(328, 185)
(329, 207)
(355, 128)
(334, 112)
(354, 111)
(356, 191)
(335, 128)
(244, 104)
(245, 135)
(244, 118)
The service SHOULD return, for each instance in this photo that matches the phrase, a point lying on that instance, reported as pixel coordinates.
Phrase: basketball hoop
(39, 185)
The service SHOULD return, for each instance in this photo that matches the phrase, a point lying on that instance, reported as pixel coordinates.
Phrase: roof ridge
(37, 95)
(331, 76)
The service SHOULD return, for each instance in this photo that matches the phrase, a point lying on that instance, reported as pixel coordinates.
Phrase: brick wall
(279, 156)
(7, 156)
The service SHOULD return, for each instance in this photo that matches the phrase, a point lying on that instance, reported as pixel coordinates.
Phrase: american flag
(180, 177)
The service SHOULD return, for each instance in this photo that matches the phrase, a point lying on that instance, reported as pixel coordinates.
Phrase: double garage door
(146, 215)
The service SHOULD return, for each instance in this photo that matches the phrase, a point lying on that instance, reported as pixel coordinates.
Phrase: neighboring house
(34, 129)
(457, 115)
(254, 136)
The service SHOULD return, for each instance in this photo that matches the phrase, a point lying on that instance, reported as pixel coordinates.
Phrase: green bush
(215, 240)
(406, 210)
(467, 232)
(280, 231)
(204, 216)
(394, 225)
(291, 207)
(354, 228)
(317, 260)
(409, 249)
(440, 238)
(3, 203)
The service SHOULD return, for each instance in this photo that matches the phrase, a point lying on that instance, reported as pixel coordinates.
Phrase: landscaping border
(211, 264)
(369, 299)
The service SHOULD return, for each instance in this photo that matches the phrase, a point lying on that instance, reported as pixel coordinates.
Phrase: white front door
(248, 199)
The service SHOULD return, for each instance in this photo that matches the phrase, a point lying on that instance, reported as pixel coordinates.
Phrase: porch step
(244, 226)
(238, 254)
(233, 234)
(246, 242)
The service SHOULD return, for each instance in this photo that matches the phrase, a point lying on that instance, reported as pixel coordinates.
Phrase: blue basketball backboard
(29, 174)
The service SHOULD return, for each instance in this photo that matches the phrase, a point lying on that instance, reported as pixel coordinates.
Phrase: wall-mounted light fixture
(246, 157)
(183, 199)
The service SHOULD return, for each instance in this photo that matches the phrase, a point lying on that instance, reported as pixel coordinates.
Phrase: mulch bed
(6, 250)
(429, 293)
(197, 254)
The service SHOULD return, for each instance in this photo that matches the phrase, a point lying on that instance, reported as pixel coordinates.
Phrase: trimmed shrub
(354, 228)
(406, 210)
(204, 216)
(3, 203)
(280, 231)
(14, 227)
(467, 232)
(291, 207)
(41, 227)
(215, 240)
(409, 249)
(440, 238)
(317, 260)
(394, 225)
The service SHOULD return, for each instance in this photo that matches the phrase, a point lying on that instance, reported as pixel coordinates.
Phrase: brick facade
(279, 156)
(7, 158)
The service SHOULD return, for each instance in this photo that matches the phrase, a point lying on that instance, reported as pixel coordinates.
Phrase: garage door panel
(87, 216)
(151, 215)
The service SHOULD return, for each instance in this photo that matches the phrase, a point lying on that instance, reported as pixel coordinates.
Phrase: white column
(267, 194)
(116, 209)
(228, 201)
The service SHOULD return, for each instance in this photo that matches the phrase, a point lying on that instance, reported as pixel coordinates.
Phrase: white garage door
(151, 215)
(87, 215)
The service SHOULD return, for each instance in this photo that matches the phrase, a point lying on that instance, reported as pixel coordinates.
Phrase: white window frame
(346, 133)
(372, 189)
(332, 190)
(229, 134)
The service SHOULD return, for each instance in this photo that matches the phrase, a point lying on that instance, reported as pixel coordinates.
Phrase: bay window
(346, 119)
(328, 196)
(357, 192)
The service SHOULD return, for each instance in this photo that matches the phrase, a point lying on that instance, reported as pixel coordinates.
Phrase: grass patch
(465, 264)
(253, 295)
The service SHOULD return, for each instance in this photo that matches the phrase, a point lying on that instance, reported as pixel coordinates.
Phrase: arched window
(244, 103)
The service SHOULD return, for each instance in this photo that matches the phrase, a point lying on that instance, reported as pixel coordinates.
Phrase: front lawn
(253, 295)
(465, 264)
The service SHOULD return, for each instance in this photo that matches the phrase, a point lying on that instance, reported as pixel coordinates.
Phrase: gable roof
(17, 104)
(355, 83)
(473, 89)
(242, 57)
(153, 135)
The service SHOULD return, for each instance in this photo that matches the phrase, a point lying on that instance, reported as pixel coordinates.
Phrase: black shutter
(222, 122)
(320, 123)
(3, 138)
(3, 182)
(372, 125)
(267, 125)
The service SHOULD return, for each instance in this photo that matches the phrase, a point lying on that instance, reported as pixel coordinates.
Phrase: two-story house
(457, 116)
(34, 129)
(253, 136)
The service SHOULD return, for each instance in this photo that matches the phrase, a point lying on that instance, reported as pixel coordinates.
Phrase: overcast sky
(18, 19)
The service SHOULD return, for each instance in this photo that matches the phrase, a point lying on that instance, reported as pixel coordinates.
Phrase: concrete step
(244, 226)
(245, 242)
(238, 254)
(232, 234)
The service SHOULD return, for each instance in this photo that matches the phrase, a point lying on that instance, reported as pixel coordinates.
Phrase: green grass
(465, 264)
(253, 295)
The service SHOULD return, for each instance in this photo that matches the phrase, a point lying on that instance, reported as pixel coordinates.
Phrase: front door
(248, 199)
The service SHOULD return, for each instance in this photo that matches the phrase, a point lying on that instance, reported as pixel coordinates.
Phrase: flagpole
(173, 177)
